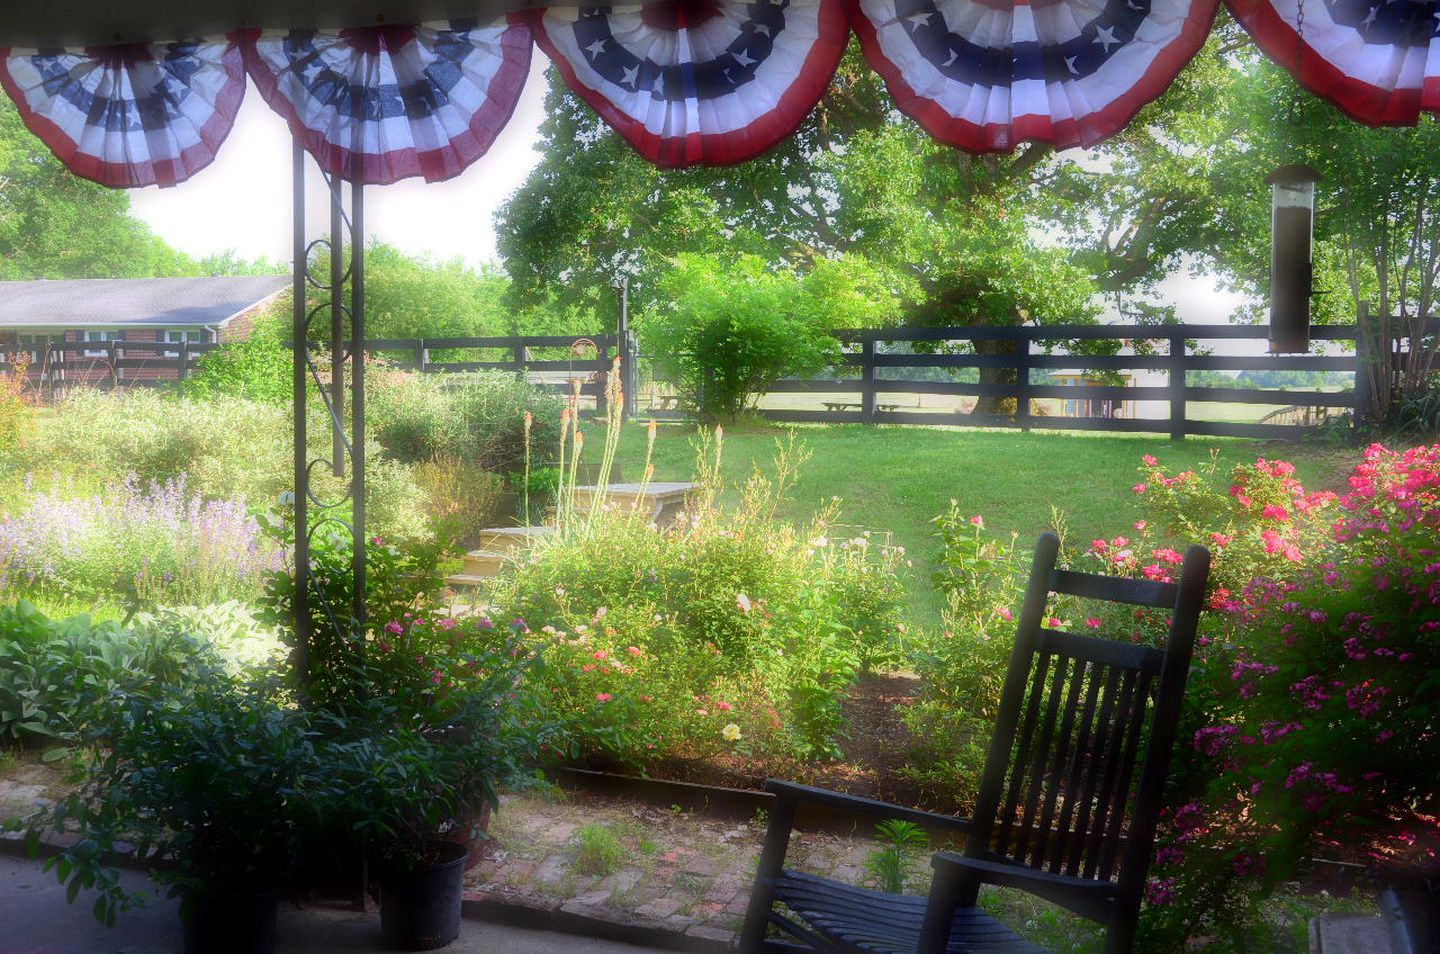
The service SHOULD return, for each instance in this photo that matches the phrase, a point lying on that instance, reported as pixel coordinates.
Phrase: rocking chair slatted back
(1073, 779)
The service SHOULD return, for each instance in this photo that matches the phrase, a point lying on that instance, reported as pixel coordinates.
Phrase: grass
(898, 479)
(600, 851)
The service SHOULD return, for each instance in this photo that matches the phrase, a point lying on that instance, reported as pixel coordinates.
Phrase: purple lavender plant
(171, 545)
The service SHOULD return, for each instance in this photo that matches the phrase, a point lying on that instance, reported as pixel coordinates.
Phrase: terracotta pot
(474, 835)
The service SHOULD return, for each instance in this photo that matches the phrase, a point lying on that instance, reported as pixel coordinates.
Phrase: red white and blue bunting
(986, 75)
(699, 82)
(1379, 61)
(129, 116)
(696, 82)
(381, 104)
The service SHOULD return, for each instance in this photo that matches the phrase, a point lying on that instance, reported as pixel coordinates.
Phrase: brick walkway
(679, 871)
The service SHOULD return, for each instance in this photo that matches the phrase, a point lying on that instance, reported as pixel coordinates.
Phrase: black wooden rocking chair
(1062, 811)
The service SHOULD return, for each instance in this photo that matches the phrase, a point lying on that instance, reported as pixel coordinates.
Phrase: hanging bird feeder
(1292, 228)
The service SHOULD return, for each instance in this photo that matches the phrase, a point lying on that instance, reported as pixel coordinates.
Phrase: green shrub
(731, 633)
(231, 630)
(723, 334)
(963, 665)
(52, 670)
(476, 418)
(462, 497)
(235, 449)
(258, 368)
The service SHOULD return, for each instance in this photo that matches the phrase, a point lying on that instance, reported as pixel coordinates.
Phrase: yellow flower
(731, 733)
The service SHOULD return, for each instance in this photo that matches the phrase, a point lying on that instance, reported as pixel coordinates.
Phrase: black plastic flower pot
(225, 923)
(420, 909)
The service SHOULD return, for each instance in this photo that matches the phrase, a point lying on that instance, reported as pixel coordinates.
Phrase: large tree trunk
(991, 404)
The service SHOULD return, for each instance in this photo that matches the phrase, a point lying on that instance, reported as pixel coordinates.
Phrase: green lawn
(898, 479)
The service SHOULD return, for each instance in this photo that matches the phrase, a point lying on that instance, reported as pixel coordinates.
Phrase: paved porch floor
(34, 919)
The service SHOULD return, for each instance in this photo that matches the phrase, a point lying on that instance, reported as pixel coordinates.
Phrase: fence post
(1364, 379)
(422, 357)
(1177, 387)
(113, 348)
(1022, 380)
(184, 370)
(867, 379)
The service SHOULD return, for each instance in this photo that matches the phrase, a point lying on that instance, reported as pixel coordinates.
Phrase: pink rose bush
(1310, 727)
(1311, 715)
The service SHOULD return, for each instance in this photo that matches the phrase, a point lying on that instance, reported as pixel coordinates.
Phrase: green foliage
(903, 842)
(731, 632)
(225, 449)
(397, 582)
(438, 721)
(53, 224)
(1309, 716)
(982, 577)
(52, 671)
(725, 332)
(257, 368)
(475, 418)
(599, 852)
(209, 777)
(161, 543)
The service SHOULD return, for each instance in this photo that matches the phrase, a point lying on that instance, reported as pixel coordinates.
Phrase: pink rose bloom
(724, 706)
(1138, 488)
(603, 697)
(978, 521)
(1149, 460)
(1005, 613)
(635, 651)
(394, 627)
(1093, 622)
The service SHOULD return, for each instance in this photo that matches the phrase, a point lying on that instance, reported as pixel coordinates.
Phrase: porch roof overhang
(104, 22)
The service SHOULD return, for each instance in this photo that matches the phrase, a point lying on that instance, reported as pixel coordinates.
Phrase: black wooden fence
(106, 364)
(875, 369)
(1172, 350)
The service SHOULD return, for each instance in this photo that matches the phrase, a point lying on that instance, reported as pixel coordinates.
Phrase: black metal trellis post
(311, 511)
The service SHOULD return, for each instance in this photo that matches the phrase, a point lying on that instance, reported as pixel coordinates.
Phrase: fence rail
(1167, 350)
(871, 375)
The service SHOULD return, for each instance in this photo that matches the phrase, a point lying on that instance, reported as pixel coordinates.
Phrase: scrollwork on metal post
(344, 513)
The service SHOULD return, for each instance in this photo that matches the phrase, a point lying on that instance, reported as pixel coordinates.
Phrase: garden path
(636, 865)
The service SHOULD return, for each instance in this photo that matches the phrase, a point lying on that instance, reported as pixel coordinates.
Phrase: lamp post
(1292, 229)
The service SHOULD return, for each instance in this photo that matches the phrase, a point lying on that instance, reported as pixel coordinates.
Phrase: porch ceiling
(84, 22)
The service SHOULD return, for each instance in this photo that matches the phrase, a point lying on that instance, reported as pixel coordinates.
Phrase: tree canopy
(53, 224)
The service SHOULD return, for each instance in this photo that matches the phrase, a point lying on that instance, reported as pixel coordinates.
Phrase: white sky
(242, 201)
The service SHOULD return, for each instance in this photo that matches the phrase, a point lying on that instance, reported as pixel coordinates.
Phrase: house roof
(110, 302)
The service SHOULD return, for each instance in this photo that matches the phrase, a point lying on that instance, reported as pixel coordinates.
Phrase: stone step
(510, 539)
(661, 501)
(460, 580)
(484, 563)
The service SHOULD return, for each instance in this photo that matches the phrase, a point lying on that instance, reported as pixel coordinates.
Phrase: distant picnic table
(855, 406)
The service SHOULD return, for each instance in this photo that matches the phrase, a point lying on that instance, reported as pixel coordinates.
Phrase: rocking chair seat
(858, 920)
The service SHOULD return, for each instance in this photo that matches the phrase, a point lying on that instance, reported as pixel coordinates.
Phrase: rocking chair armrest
(789, 791)
(1089, 897)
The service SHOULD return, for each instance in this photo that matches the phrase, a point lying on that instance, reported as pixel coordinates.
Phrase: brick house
(51, 321)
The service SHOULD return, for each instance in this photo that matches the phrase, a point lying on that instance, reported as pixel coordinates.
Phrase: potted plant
(444, 721)
(203, 782)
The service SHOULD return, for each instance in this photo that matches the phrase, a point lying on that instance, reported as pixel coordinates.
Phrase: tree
(964, 239)
(726, 331)
(53, 224)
